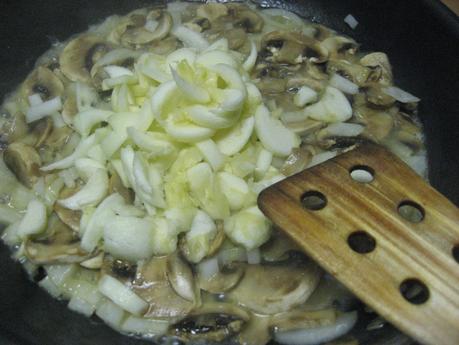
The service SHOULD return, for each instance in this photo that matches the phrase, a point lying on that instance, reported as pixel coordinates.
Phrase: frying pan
(421, 38)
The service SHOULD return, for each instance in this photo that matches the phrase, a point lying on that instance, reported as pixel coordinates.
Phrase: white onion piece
(208, 268)
(128, 238)
(114, 56)
(292, 117)
(235, 254)
(234, 188)
(400, 95)
(153, 143)
(351, 21)
(146, 327)
(83, 146)
(34, 220)
(332, 107)
(8, 215)
(344, 84)
(251, 59)
(187, 54)
(214, 57)
(220, 44)
(190, 38)
(187, 132)
(234, 139)
(149, 65)
(41, 110)
(263, 163)
(206, 117)
(163, 93)
(117, 71)
(233, 100)
(305, 95)
(211, 153)
(231, 76)
(191, 91)
(91, 194)
(318, 335)
(85, 120)
(35, 99)
(254, 256)
(321, 157)
(342, 129)
(274, 136)
(122, 295)
(110, 313)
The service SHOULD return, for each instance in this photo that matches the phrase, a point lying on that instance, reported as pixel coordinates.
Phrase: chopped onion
(208, 268)
(351, 21)
(151, 25)
(194, 92)
(344, 84)
(235, 254)
(318, 335)
(254, 256)
(400, 95)
(252, 58)
(110, 313)
(234, 139)
(234, 188)
(35, 99)
(305, 95)
(144, 326)
(211, 153)
(117, 71)
(190, 38)
(321, 157)
(41, 110)
(122, 295)
(34, 220)
(342, 129)
(263, 163)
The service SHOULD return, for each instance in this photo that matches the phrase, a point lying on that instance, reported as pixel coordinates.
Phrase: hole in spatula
(313, 200)
(411, 211)
(361, 242)
(414, 291)
(455, 253)
(362, 174)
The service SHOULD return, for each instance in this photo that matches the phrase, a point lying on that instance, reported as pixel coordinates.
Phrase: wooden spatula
(374, 224)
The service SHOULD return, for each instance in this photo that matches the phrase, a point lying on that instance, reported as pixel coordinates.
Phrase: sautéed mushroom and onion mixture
(133, 155)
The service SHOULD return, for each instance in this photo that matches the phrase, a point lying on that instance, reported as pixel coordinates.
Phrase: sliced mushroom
(297, 161)
(271, 289)
(408, 132)
(136, 34)
(302, 319)
(379, 62)
(61, 245)
(212, 11)
(69, 217)
(377, 97)
(54, 144)
(354, 72)
(305, 127)
(44, 83)
(378, 123)
(278, 247)
(340, 46)
(236, 38)
(14, 127)
(41, 130)
(165, 46)
(215, 244)
(244, 17)
(227, 278)
(198, 24)
(80, 54)
(122, 270)
(181, 277)
(293, 48)
(153, 285)
(115, 185)
(213, 322)
(257, 330)
(24, 162)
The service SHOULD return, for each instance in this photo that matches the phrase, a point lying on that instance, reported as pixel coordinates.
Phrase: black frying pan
(421, 38)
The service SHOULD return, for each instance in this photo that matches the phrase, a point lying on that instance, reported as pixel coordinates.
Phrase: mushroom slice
(244, 17)
(122, 270)
(153, 285)
(340, 46)
(69, 217)
(301, 319)
(60, 246)
(43, 82)
(139, 35)
(79, 55)
(181, 277)
(379, 61)
(213, 322)
(236, 37)
(212, 11)
(24, 162)
(270, 289)
(378, 123)
(293, 47)
(377, 97)
(278, 247)
(257, 330)
(227, 278)
(42, 129)
(356, 73)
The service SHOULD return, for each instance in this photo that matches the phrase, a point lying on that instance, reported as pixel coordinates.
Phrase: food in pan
(134, 152)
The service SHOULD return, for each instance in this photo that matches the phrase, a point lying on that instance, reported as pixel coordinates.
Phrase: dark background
(420, 37)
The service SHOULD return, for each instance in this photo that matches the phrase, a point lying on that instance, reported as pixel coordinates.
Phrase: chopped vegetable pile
(133, 155)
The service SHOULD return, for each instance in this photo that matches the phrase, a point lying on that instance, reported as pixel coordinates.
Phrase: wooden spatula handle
(393, 240)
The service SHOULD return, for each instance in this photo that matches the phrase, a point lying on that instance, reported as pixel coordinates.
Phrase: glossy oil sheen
(420, 37)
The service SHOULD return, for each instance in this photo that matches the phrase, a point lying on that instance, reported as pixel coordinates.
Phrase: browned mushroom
(244, 17)
(227, 278)
(60, 245)
(115, 185)
(80, 54)
(43, 82)
(379, 62)
(24, 162)
(69, 217)
(212, 11)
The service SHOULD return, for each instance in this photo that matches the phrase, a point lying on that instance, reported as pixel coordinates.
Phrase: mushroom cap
(69, 217)
(227, 278)
(270, 289)
(24, 162)
(79, 55)
(44, 82)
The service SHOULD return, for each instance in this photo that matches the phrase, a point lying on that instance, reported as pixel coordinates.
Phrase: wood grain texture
(453, 5)
(404, 250)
